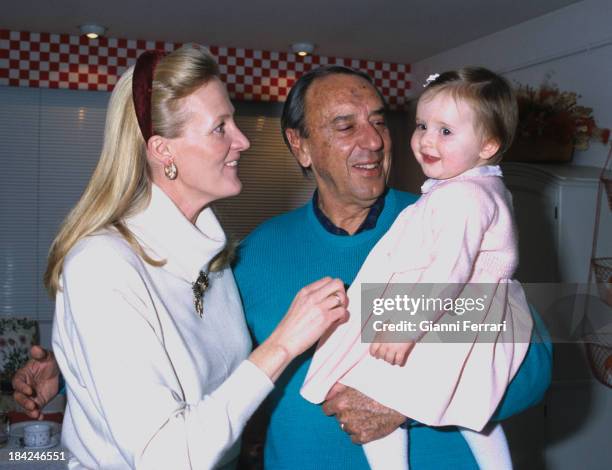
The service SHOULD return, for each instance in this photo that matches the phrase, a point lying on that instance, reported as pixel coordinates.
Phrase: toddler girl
(457, 241)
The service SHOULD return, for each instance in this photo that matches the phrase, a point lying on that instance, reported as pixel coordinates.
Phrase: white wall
(573, 44)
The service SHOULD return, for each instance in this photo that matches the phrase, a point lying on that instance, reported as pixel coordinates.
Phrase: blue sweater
(274, 263)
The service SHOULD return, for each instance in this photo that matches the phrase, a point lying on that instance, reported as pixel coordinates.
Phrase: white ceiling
(402, 31)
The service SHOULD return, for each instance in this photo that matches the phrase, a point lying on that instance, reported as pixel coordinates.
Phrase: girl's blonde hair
(120, 185)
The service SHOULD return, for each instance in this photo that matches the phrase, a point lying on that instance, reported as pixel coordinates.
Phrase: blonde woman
(149, 331)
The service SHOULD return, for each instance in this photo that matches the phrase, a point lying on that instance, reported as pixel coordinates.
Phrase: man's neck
(348, 217)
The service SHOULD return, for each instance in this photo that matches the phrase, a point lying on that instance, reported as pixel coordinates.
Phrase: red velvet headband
(142, 85)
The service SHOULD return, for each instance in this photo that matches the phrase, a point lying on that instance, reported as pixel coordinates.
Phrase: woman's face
(207, 153)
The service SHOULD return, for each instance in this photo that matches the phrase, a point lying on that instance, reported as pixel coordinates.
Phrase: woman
(145, 300)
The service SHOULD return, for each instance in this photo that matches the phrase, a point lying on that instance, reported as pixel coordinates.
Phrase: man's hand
(361, 417)
(37, 382)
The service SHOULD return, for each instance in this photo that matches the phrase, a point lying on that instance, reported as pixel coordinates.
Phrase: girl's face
(447, 140)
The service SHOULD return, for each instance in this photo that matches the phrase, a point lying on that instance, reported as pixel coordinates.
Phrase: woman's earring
(171, 171)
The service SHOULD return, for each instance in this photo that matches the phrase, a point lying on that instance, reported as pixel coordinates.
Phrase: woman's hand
(313, 311)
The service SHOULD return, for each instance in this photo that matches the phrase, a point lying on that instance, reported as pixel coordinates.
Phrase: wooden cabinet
(555, 212)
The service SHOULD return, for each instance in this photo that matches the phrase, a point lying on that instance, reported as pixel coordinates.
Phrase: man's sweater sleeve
(533, 377)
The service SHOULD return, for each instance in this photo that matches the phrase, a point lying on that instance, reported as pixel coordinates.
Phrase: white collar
(166, 234)
(485, 170)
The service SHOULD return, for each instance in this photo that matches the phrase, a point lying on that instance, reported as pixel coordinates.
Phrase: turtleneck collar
(166, 234)
(485, 170)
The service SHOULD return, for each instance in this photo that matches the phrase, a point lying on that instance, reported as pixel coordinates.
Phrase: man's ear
(489, 149)
(299, 147)
(159, 151)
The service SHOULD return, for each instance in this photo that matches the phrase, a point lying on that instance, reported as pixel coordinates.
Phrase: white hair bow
(431, 78)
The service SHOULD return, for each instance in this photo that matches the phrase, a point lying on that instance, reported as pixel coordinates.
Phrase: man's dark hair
(294, 109)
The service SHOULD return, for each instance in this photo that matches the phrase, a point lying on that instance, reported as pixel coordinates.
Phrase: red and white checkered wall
(63, 61)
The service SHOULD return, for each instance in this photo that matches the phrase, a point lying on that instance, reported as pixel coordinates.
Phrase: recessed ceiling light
(92, 31)
(302, 48)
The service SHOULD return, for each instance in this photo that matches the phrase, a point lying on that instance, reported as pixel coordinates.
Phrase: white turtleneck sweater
(150, 384)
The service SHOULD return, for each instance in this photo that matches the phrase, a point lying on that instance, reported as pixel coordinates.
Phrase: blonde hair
(120, 185)
(491, 98)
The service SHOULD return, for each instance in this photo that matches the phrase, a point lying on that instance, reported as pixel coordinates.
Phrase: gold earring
(171, 171)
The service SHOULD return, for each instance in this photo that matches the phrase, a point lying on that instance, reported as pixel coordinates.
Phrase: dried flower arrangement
(553, 114)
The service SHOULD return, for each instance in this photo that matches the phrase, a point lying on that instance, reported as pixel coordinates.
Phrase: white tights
(489, 447)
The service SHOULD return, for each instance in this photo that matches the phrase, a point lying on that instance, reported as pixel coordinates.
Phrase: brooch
(199, 287)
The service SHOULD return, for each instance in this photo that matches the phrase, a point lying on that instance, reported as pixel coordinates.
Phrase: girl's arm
(458, 214)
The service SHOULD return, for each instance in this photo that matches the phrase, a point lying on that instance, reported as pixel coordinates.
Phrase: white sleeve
(459, 215)
(116, 354)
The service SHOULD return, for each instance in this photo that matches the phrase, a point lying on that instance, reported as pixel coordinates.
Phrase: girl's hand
(395, 354)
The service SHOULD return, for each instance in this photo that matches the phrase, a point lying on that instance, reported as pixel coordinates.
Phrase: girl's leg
(390, 452)
(490, 447)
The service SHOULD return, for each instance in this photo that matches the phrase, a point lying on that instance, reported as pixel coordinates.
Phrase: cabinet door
(537, 223)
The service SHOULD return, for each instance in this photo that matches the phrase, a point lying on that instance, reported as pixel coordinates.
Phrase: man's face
(348, 147)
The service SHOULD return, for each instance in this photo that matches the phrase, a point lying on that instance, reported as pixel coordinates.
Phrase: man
(334, 124)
